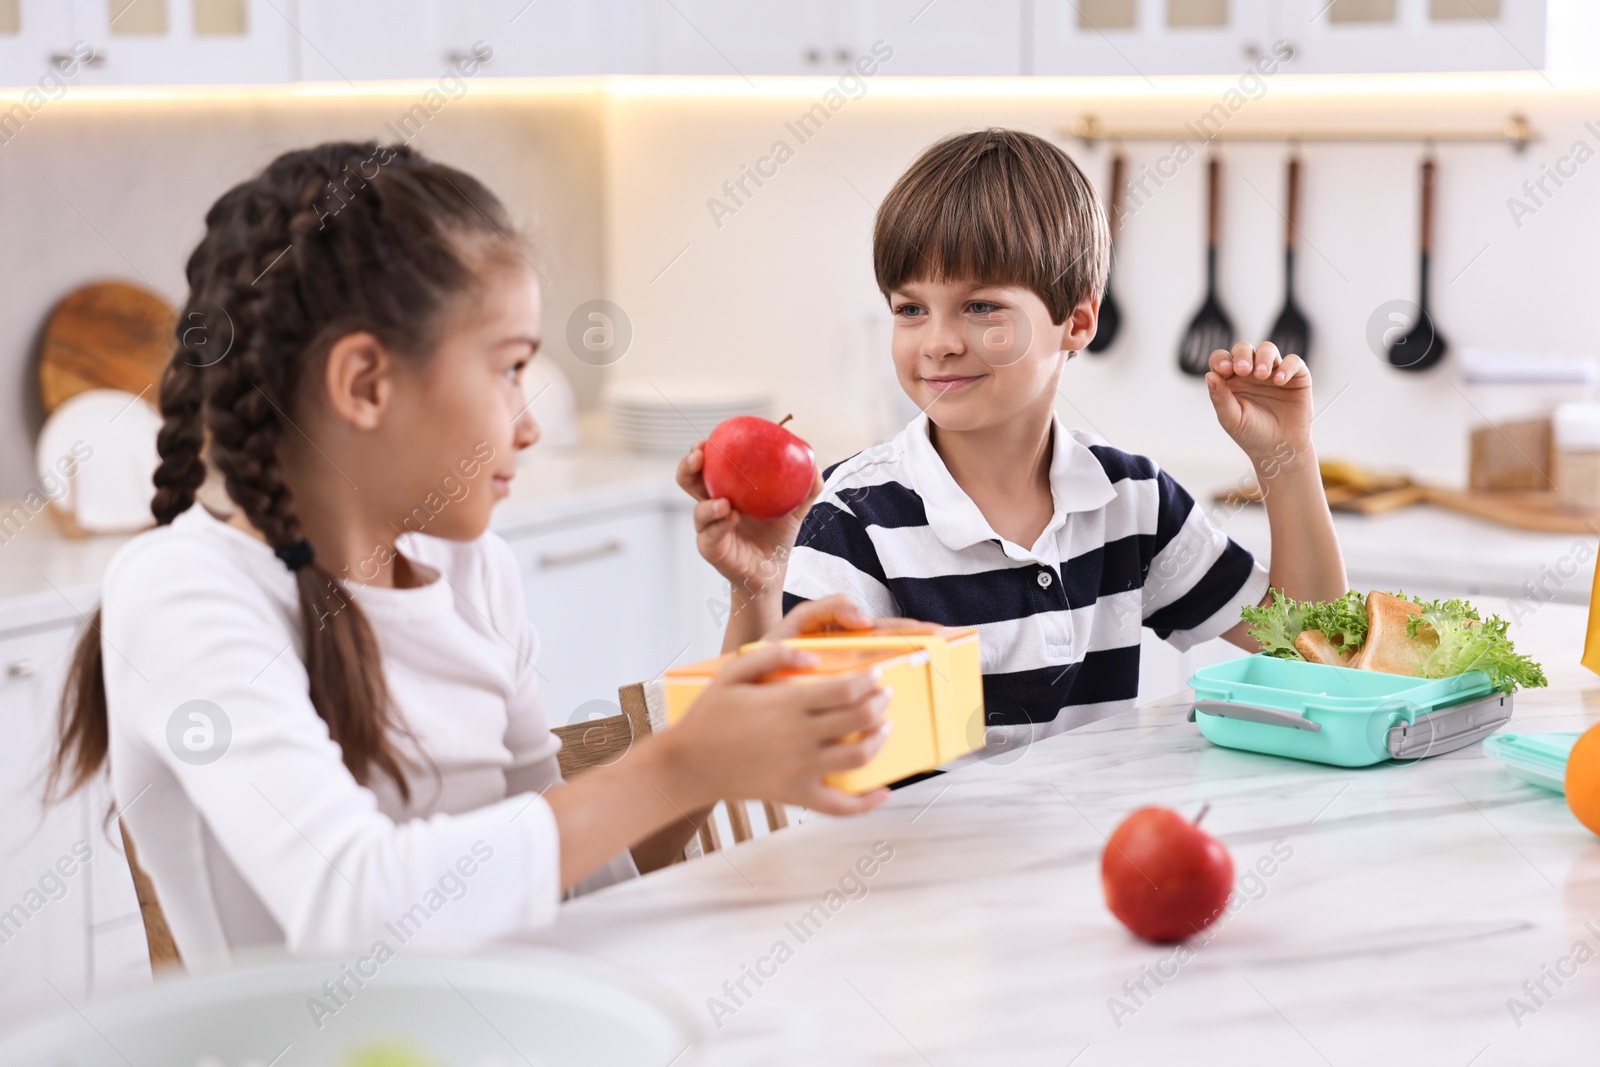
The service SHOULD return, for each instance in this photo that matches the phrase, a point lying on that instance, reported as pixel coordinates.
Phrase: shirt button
(1045, 578)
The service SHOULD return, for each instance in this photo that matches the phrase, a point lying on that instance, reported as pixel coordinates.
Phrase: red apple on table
(1164, 877)
(762, 469)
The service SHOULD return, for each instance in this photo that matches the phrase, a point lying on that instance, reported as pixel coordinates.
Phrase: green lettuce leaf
(1467, 643)
(1343, 620)
(1275, 625)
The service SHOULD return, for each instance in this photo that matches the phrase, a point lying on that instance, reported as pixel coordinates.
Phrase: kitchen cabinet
(370, 40)
(35, 38)
(58, 874)
(954, 37)
(599, 593)
(750, 38)
(828, 36)
(200, 42)
(139, 42)
(1155, 37)
(1150, 37)
(1417, 35)
(545, 37)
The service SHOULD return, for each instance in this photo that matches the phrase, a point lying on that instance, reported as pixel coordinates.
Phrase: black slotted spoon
(1423, 345)
(1291, 333)
(1110, 314)
(1211, 327)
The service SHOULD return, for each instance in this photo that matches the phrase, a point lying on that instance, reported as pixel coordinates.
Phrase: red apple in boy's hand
(1164, 877)
(762, 469)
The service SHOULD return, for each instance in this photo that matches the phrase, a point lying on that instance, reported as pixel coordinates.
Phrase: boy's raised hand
(1263, 400)
(749, 553)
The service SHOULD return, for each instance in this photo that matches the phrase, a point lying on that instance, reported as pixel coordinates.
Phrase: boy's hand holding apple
(749, 548)
(758, 466)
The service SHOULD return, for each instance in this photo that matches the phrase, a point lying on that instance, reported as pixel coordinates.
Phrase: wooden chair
(157, 935)
(586, 745)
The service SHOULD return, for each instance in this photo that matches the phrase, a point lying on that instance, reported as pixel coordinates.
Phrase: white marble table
(1405, 906)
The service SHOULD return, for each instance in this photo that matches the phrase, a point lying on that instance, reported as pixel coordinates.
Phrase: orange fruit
(1583, 779)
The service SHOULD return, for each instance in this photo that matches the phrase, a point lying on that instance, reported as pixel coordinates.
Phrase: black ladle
(1211, 327)
(1110, 314)
(1423, 345)
(1291, 333)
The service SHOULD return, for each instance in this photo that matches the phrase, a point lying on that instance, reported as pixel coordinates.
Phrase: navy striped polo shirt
(1059, 622)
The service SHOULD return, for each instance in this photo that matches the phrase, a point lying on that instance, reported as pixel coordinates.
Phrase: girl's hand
(752, 554)
(1263, 401)
(838, 614)
(747, 739)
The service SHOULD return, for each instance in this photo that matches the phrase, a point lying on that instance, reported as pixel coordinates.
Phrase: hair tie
(296, 554)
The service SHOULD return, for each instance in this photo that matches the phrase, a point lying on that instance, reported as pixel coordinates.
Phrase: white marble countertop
(1407, 905)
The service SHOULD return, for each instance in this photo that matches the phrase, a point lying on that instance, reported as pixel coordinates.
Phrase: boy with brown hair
(992, 252)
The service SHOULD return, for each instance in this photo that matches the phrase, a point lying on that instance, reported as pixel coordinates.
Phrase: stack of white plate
(670, 416)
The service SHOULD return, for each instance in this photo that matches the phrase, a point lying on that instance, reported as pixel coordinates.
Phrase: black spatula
(1110, 314)
(1291, 333)
(1423, 346)
(1211, 328)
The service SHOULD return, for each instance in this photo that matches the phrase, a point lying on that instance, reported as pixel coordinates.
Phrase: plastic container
(1575, 447)
(1537, 758)
(1341, 716)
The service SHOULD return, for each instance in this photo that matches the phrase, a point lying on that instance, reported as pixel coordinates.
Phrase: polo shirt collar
(1077, 483)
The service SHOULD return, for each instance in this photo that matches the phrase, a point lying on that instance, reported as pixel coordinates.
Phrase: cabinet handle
(22, 668)
(841, 55)
(551, 560)
(813, 56)
(61, 60)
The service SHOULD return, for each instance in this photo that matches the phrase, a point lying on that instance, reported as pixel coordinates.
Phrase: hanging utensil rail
(1515, 133)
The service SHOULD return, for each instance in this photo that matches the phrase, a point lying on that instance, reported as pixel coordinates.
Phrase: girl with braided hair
(322, 727)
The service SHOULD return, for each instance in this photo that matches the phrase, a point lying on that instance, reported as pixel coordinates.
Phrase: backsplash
(739, 249)
(95, 189)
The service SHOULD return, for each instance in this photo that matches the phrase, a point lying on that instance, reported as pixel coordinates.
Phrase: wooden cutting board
(106, 335)
(1342, 498)
(1526, 509)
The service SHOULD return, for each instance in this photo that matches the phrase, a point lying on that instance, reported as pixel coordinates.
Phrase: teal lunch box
(1537, 758)
(1339, 715)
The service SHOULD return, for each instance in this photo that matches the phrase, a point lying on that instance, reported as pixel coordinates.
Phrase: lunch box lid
(1537, 758)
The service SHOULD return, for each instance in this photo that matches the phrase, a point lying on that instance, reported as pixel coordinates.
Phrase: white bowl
(534, 1005)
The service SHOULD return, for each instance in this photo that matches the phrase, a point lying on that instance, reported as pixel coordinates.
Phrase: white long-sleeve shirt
(246, 819)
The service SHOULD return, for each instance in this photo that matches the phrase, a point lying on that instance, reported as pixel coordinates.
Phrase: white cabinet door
(36, 52)
(954, 37)
(45, 894)
(360, 40)
(170, 42)
(700, 597)
(751, 37)
(1154, 37)
(826, 36)
(532, 38)
(1149, 37)
(1419, 35)
(599, 593)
